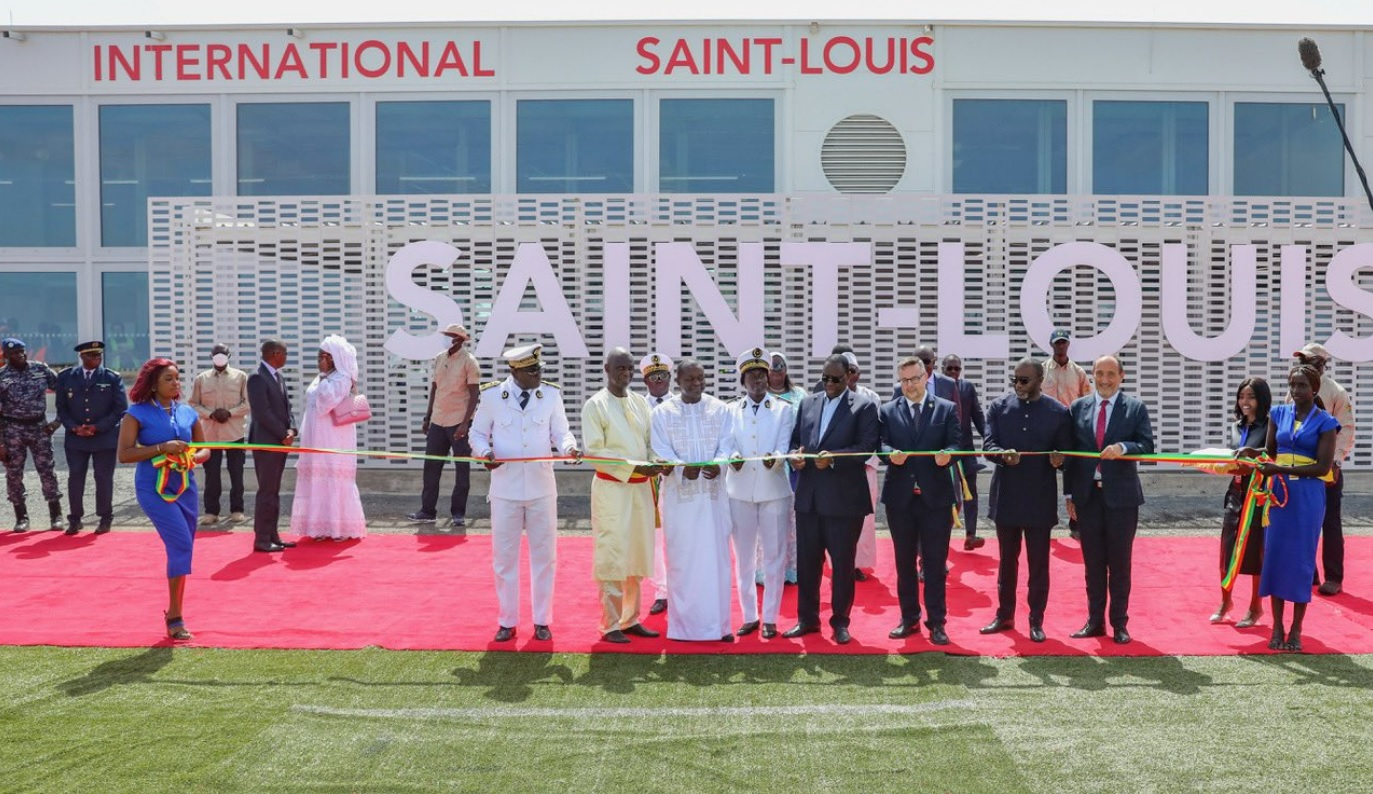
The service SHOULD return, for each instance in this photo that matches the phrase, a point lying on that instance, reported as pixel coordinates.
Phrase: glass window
(1287, 149)
(37, 176)
(574, 146)
(124, 298)
(293, 149)
(716, 146)
(1010, 146)
(149, 150)
(40, 309)
(1149, 148)
(433, 147)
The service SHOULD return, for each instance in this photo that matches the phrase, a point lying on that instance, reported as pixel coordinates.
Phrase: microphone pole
(1311, 61)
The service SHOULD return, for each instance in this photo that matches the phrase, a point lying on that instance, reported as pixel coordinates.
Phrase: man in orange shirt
(453, 394)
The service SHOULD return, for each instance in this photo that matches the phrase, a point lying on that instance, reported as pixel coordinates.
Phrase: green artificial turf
(78, 720)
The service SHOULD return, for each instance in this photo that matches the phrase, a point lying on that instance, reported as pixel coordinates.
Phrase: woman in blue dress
(1301, 442)
(159, 429)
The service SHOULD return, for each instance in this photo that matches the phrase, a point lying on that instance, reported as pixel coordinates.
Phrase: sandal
(1250, 619)
(1278, 641)
(1222, 612)
(176, 628)
(1293, 644)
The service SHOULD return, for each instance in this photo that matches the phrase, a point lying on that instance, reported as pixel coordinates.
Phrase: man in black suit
(969, 410)
(272, 423)
(832, 495)
(1104, 496)
(1022, 500)
(90, 403)
(919, 495)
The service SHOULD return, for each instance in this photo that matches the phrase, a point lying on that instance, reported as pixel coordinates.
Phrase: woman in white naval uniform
(522, 417)
(759, 490)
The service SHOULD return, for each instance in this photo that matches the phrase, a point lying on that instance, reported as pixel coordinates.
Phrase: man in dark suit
(90, 403)
(832, 494)
(969, 410)
(919, 495)
(1104, 496)
(1022, 500)
(269, 404)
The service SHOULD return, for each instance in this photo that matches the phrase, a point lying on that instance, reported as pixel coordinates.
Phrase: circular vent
(863, 154)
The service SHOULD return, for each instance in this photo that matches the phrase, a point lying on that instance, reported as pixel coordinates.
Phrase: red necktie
(1101, 425)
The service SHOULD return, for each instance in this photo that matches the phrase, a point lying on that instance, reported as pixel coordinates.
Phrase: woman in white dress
(327, 503)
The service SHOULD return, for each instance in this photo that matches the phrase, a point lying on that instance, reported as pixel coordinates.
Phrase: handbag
(353, 409)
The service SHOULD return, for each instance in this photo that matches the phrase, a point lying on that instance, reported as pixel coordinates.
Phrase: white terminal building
(1178, 194)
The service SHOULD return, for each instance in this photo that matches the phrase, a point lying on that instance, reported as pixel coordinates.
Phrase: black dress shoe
(937, 636)
(105, 526)
(73, 528)
(727, 638)
(286, 544)
(659, 607)
(748, 628)
(904, 630)
(542, 633)
(1121, 636)
(268, 547)
(505, 634)
(995, 626)
(1089, 630)
(842, 636)
(799, 630)
(1036, 633)
(638, 630)
(615, 636)
(859, 576)
(769, 630)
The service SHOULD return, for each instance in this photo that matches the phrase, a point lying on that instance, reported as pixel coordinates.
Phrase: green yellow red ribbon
(179, 464)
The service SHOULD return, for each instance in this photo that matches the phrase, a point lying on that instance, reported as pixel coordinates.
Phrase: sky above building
(89, 13)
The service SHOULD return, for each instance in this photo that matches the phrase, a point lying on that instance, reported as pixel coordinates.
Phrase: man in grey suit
(270, 406)
(1104, 495)
(832, 495)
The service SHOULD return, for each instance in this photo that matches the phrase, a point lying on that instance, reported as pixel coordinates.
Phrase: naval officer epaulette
(486, 386)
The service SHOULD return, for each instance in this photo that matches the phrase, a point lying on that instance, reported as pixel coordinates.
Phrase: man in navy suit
(832, 494)
(969, 410)
(1104, 496)
(919, 495)
(272, 423)
(90, 403)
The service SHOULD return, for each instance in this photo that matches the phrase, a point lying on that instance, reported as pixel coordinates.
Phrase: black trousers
(1036, 541)
(816, 536)
(970, 506)
(268, 467)
(440, 441)
(925, 532)
(1332, 531)
(78, 462)
(214, 479)
(1108, 545)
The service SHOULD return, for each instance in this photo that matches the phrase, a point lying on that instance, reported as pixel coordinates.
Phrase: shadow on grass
(510, 677)
(128, 670)
(1095, 673)
(1339, 670)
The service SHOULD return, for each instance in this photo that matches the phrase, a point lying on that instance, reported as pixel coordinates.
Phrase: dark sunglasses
(832, 379)
(952, 368)
(1021, 379)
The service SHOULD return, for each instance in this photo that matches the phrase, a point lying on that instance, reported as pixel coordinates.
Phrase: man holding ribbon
(1104, 494)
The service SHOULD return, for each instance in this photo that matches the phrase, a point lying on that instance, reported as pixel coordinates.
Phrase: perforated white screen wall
(242, 270)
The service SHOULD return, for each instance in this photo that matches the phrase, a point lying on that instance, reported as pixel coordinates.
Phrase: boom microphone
(1311, 61)
(1310, 55)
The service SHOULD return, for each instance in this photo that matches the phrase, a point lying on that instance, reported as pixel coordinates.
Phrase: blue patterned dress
(1294, 529)
(175, 522)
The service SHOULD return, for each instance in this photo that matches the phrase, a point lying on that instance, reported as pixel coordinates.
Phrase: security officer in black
(90, 404)
(25, 428)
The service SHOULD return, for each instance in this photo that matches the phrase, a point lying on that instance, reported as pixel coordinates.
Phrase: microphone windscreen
(1310, 54)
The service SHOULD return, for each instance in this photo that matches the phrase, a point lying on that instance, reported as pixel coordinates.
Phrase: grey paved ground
(1177, 502)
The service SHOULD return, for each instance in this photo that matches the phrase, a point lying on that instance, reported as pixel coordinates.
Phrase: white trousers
(537, 518)
(760, 525)
(867, 541)
(659, 564)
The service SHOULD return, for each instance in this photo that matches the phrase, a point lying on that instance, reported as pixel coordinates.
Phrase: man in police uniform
(656, 369)
(522, 417)
(90, 403)
(25, 428)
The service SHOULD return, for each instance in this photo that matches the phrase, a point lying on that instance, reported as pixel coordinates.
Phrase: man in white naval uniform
(656, 370)
(694, 428)
(522, 417)
(759, 490)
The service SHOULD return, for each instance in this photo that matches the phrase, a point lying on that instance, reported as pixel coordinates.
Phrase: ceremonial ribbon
(179, 463)
(1256, 497)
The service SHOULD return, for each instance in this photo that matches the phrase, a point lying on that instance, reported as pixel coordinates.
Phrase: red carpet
(435, 592)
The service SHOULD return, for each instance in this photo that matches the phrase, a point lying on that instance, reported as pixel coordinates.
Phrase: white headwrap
(345, 355)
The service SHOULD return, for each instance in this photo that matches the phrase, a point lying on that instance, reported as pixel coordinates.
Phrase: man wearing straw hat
(453, 393)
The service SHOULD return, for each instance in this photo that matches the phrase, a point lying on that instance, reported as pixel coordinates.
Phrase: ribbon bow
(179, 464)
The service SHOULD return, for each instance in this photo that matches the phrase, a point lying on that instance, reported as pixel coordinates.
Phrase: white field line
(833, 710)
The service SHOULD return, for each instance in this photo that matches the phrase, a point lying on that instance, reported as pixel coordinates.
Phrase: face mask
(220, 359)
